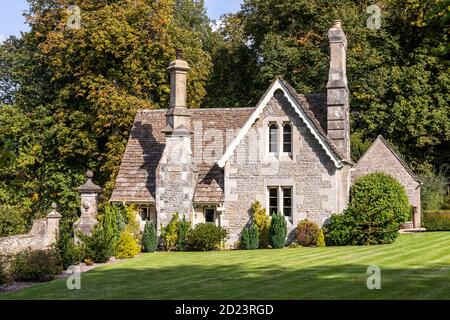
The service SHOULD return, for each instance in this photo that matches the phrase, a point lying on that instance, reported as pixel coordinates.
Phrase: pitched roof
(399, 158)
(304, 111)
(135, 181)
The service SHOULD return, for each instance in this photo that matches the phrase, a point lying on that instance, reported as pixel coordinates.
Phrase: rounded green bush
(277, 231)
(378, 206)
(250, 237)
(206, 236)
(39, 265)
(307, 233)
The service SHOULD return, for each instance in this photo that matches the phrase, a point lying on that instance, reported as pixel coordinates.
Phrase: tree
(250, 237)
(69, 95)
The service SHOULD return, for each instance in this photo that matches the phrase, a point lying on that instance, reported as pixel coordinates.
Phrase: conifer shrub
(184, 227)
(277, 231)
(379, 205)
(169, 233)
(250, 237)
(206, 236)
(307, 232)
(69, 252)
(262, 221)
(321, 239)
(127, 245)
(150, 237)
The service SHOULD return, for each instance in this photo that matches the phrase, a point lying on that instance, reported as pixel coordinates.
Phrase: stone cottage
(291, 152)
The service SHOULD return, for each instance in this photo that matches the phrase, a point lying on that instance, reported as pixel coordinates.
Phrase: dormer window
(273, 138)
(287, 138)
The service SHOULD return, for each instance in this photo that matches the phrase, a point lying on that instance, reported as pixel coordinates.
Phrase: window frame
(291, 134)
(269, 138)
(280, 200)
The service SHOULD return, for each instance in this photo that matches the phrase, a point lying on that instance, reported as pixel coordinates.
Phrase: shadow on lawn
(244, 282)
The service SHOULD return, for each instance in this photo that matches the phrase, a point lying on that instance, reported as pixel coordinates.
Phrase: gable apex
(310, 121)
(381, 139)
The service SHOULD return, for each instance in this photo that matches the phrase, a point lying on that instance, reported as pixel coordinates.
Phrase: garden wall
(42, 235)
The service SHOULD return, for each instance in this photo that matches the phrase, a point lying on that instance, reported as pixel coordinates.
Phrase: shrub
(127, 246)
(3, 272)
(69, 252)
(149, 238)
(262, 221)
(101, 244)
(436, 220)
(378, 207)
(338, 230)
(433, 190)
(184, 227)
(250, 237)
(307, 233)
(206, 236)
(40, 265)
(169, 233)
(321, 239)
(277, 231)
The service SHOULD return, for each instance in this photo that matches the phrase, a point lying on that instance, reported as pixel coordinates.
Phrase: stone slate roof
(136, 178)
(135, 181)
(315, 108)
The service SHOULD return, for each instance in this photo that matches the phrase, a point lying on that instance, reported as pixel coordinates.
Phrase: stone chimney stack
(338, 104)
(178, 115)
(176, 171)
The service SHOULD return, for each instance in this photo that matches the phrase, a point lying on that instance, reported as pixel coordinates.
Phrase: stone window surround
(216, 214)
(280, 122)
(281, 183)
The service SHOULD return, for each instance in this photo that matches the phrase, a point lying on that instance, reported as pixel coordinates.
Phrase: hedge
(436, 220)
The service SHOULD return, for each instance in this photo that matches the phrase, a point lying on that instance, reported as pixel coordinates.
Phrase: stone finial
(179, 54)
(54, 213)
(337, 24)
(89, 186)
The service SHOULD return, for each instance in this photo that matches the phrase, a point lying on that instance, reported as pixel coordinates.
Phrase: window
(209, 215)
(273, 138)
(287, 138)
(280, 200)
(273, 200)
(287, 202)
(145, 215)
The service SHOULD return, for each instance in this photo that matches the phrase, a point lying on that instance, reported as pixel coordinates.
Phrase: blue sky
(12, 21)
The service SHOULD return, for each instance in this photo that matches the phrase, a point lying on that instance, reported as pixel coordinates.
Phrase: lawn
(416, 266)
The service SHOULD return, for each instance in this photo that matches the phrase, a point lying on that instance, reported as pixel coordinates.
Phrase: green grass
(416, 266)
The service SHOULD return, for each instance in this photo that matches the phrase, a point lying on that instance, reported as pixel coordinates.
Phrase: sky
(12, 21)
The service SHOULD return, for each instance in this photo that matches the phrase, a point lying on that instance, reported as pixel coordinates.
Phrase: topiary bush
(150, 237)
(206, 236)
(321, 239)
(250, 237)
(277, 231)
(436, 220)
(39, 265)
(307, 232)
(127, 246)
(378, 206)
(262, 221)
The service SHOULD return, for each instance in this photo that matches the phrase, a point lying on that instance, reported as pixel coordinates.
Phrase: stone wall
(381, 158)
(42, 235)
(318, 187)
